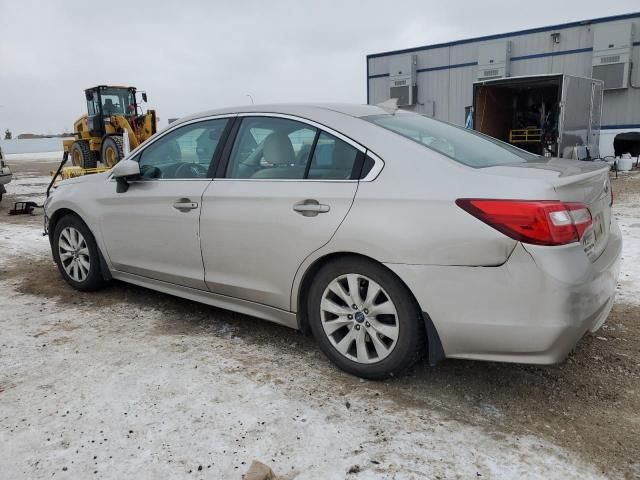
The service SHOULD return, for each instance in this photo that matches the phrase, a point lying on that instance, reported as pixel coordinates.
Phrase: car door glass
(186, 152)
(271, 148)
(333, 159)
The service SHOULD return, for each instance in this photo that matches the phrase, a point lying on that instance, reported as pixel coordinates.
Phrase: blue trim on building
(552, 54)
(509, 34)
(446, 67)
(619, 127)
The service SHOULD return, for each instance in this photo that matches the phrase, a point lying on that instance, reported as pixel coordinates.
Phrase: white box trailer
(555, 115)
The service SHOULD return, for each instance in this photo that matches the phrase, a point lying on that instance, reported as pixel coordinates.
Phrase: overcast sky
(197, 55)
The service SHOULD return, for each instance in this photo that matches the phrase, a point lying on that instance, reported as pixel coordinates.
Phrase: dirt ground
(589, 406)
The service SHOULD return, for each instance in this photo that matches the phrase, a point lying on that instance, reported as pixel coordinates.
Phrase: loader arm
(123, 123)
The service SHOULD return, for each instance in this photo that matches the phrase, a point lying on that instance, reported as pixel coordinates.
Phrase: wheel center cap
(359, 317)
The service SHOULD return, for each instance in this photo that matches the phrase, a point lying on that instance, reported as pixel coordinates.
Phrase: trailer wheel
(112, 151)
(82, 156)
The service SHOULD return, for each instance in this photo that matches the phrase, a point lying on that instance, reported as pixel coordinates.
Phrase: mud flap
(434, 345)
(104, 268)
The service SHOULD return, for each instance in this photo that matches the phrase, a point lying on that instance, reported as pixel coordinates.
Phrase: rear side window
(271, 148)
(333, 159)
(283, 149)
(462, 145)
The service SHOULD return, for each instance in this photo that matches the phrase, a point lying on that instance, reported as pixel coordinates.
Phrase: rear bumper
(532, 309)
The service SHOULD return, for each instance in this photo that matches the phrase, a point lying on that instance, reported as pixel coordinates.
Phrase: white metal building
(438, 79)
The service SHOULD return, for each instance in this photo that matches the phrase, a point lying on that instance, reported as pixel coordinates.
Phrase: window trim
(235, 119)
(378, 165)
(362, 151)
(312, 152)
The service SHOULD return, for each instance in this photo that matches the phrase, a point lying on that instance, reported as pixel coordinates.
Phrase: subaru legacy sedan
(384, 233)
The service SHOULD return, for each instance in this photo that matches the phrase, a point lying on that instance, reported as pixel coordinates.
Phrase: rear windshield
(462, 145)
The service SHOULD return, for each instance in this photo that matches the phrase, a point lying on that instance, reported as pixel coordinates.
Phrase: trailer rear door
(576, 113)
(596, 118)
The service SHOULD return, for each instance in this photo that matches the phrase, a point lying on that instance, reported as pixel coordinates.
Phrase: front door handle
(185, 204)
(310, 208)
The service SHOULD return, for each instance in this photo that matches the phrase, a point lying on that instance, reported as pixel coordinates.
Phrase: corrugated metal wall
(446, 73)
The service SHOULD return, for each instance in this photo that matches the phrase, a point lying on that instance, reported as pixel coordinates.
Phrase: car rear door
(283, 188)
(152, 229)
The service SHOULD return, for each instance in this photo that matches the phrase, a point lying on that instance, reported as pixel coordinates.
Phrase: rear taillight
(538, 222)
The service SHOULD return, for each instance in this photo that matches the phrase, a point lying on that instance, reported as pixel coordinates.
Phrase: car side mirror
(123, 172)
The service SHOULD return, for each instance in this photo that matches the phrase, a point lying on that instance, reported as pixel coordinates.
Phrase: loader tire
(82, 156)
(112, 151)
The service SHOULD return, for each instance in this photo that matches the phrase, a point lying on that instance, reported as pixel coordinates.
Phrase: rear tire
(76, 253)
(112, 151)
(82, 156)
(386, 328)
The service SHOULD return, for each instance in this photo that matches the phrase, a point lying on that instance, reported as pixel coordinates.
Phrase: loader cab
(105, 101)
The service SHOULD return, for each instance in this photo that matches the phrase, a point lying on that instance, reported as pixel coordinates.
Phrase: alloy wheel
(74, 254)
(359, 318)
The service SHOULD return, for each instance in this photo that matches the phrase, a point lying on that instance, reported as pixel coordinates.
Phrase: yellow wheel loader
(111, 111)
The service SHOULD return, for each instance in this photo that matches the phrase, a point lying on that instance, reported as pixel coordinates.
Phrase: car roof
(298, 109)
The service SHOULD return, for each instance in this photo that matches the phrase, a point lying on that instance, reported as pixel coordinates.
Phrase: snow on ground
(21, 240)
(48, 156)
(628, 215)
(112, 395)
(29, 186)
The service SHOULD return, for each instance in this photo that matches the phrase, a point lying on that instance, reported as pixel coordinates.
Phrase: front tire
(112, 150)
(76, 253)
(82, 156)
(365, 319)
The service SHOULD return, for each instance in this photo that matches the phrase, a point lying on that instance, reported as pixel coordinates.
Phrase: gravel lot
(128, 382)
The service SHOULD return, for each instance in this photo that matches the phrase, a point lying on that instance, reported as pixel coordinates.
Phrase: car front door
(152, 229)
(283, 189)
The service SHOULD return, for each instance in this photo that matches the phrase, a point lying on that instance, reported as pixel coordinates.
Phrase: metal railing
(525, 135)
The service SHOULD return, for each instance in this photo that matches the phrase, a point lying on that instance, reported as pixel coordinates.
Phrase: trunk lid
(574, 181)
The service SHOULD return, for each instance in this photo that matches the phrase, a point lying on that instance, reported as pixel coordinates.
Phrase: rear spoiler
(581, 177)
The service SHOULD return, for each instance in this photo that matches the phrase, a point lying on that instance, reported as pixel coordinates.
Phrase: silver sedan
(384, 233)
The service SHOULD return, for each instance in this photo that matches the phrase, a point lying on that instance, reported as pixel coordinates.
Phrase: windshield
(462, 145)
(117, 101)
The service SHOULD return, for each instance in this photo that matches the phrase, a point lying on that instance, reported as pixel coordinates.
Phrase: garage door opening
(522, 113)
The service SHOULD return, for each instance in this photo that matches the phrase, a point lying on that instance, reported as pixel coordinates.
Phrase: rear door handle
(185, 204)
(310, 208)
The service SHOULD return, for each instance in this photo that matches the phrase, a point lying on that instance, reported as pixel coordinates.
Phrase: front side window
(186, 152)
(282, 149)
(462, 145)
(268, 147)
